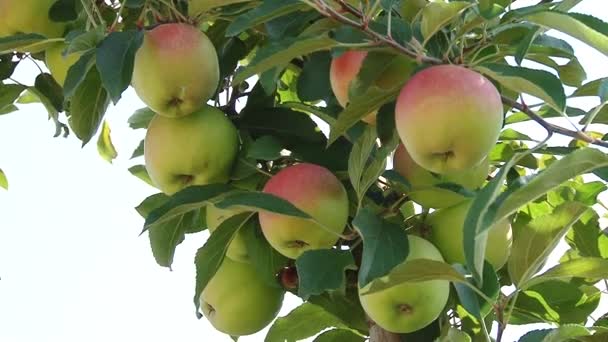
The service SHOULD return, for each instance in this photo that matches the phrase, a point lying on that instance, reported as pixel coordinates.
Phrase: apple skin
(314, 190)
(236, 301)
(237, 250)
(28, 16)
(422, 180)
(176, 69)
(449, 118)
(447, 229)
(409, 306)
(197, 149)
(59, 64)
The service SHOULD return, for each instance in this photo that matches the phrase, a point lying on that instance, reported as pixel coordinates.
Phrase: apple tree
(379, 159)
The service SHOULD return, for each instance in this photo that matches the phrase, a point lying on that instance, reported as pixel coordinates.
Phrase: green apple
(197, 7)
(237, 302)
(423, 181)
(449, 118)
(446, 232)
(317, 192)
(237, 250)
(196, 149)
(28, 16)
(408, 306)
(176, 69)
(59, 64)
(344, 69)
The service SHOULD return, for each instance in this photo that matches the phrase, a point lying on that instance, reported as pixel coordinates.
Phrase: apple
(449, 118)
(446, 232)
(197, 7)
(176, 69)
(422, 181)
(59, 64)
(196, 149)
(317, 192)
(237, 302)
(344, 69)
(237, 250)
(28, 16)
(408, 306)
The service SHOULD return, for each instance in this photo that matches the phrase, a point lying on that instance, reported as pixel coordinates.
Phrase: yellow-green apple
(408, 306)
(58, 63)
(196, 149)
(196, 7)
(447, 230)
(344, 69)
(176, 69)
(448, 117)
(236, 301)
(28, 16)
(237, 250)
(317, 192)
(422, 181)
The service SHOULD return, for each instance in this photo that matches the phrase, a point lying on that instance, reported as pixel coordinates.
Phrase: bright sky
(72, 265)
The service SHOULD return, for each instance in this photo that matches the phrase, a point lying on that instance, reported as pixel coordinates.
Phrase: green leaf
(104, 144)
(267, 261)
(358, 159)
(511, 134)
(385, 245)
(115, 57)
(281, 53)
(533, 241)
(455, 335)
(305, 321)
(339, 335)
(269, 9)
(209, 257)
(25, 42)
(587, 236)
(47, 86)
(87, 107)
(8, 109)
(258, 201)
(539, 83)
(85, 41)
(78, 73)
(344, 305)
(593, 268)
(139, 151)
(150, 203)
(587, 28)
(3, 180)
(141, 118)
(438, 14)
(9, 93)
(472, 302)
(322, 270)
(591, 88)
(313, 83)
(63, 11)
(265, 148)
(287, 125)
(140, 172)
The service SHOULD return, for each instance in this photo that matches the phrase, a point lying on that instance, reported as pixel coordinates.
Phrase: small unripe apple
(422, 181)
(28, 16)
(58, 63)
(317, 192)
(176, 69)
(197, 149)
(449, 118)
(447, 229)
(237, 250)
(237, 302)
(409, 306)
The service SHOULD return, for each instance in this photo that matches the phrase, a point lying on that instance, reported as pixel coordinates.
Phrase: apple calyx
(405, 309)
(297, 244)
(210, 309)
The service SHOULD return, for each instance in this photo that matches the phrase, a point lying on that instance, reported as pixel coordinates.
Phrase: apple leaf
(566, 332)
(260, 201)
(141, 118)
(339, 335)
(9, 93)
(188, 199)
(8, 109)
(593, 268)
(471, 301)
(150, 203)
(47, 86)
(139, 150)
(322, 270)
(455, 334)
(25, 42)
(587, 28)
(539, 83)
(265, 148)
(267, 261)
(534, 240)
(140, 172)
(115, 57)
(77, 73)
(209, 257)
(385, 245)
(438, 14)
(105, 147)
(590, 88)
(85, 41)
(3, 180)
(303, 322)
(269, 9)
(313, 83)
(63, 11)
(87, 106)
(587, 237)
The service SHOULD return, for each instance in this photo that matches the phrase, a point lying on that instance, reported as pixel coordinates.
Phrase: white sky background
(72, 265)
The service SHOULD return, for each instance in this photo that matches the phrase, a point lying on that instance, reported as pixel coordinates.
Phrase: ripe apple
(409, 306)
(59, 64)
(176, 69)
(314, 190)
(196, 149)
(423, 181)
(237, 250)
(28, 16)
(236, 301)
(344, 69)
(446, 232)
(449, 118)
